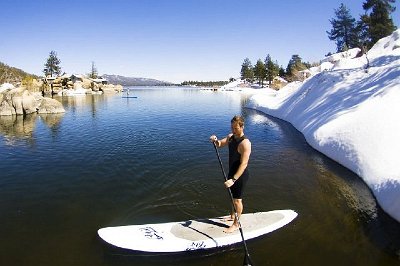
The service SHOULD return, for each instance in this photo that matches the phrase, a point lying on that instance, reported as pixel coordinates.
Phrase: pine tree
(282, 72)
(93, 74)
(344, 29)
(260, 72)
(272, 69)
(294, 66)
(378, 23)
(52, 65)
(246, 73)
(363, 34)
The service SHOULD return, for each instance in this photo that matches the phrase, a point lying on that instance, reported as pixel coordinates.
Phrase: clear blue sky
(172, 40)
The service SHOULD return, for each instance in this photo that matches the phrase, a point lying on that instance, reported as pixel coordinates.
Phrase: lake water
(112, 161)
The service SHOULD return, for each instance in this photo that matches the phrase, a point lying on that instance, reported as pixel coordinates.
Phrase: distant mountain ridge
(132, 81)
(15, 76)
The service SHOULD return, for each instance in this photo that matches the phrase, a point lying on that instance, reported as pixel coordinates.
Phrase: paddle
(247, 261)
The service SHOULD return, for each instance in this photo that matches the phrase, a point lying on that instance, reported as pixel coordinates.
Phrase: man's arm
(220, 143)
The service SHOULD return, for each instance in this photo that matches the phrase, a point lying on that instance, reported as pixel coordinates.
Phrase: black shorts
(239, 185)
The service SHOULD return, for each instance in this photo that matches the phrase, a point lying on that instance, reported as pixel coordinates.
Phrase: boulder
(29, 103)
(110, 88)
(17, 104)
(20, 101)
(6, 108)
(86, 83)
(50, 106)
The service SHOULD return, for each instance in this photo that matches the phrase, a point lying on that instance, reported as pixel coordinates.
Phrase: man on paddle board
(239, 155)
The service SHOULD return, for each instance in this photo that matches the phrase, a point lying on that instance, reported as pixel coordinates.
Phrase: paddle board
(193, 234)
(129, 96)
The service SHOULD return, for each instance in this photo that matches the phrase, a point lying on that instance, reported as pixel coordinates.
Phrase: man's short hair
(238, 119)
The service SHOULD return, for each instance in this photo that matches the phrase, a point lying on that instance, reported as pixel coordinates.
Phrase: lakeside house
(100, 81)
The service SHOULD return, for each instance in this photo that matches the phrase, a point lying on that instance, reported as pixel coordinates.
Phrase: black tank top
(234, 155)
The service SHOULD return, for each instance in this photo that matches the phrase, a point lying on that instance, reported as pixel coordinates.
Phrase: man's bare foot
(232, 228)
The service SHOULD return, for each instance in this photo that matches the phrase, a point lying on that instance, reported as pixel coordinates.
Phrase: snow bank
(351, 114)
(350, 54)
(233, 84)
(6, 86)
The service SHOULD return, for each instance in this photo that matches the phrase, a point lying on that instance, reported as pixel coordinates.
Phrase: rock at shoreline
(109, 88)
(20, 101)
(50, 106)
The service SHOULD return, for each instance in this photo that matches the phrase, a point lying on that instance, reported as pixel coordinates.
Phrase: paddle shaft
(247, 260)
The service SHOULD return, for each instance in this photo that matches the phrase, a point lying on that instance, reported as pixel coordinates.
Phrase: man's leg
(239, 209)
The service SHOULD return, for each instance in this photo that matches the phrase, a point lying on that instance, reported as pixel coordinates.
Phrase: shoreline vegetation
(206, 83)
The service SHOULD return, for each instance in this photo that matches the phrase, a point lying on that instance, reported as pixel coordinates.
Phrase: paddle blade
(247, 261)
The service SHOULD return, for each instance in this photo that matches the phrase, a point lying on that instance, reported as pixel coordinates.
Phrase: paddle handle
(220, 162)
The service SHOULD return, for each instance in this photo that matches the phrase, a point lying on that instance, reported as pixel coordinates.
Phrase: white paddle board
(193, 234)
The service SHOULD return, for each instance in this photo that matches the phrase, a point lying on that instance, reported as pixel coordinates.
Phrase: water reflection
(349, 188)
(20, 129)
(78, 102)
(53, 121)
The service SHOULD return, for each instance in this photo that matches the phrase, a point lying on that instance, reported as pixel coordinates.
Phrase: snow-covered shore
(351, 114)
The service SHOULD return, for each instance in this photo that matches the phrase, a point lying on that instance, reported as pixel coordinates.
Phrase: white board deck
(193, 234)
